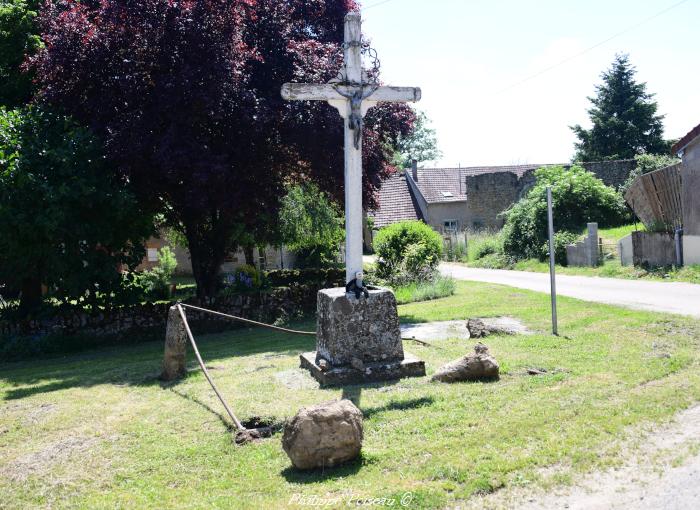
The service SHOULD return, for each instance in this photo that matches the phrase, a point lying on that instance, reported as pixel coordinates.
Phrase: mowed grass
(99, 431)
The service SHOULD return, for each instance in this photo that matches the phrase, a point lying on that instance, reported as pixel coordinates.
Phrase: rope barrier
(235, 420)
(279, 328)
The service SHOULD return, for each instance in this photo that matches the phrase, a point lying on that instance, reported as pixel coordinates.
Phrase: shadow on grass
(294, 475)
(399, 405)
(140, 364)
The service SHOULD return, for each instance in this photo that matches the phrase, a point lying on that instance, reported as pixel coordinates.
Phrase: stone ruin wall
(496, 192)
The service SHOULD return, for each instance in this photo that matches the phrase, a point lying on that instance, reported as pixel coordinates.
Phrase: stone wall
(612, 173)
(265, 306)
(490, 194)
(653, 249)
(585, 253)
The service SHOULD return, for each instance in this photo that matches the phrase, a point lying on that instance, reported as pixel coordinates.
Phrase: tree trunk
(207, 253)
(31, 295)
(248, 251)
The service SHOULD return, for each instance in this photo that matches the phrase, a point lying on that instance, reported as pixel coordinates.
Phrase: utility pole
(552, 277)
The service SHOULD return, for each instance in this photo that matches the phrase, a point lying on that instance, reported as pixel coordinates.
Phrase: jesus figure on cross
(352, 97)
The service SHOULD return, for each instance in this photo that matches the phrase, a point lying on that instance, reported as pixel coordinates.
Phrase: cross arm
(328, 92)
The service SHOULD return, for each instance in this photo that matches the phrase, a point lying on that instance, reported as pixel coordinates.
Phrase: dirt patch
(38, 413)
(442, 330)
(663, 473)
(42, 460)
(296, 379)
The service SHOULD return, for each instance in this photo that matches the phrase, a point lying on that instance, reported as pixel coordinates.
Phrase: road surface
(671, 297)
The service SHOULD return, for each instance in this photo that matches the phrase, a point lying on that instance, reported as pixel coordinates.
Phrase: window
(450, 226)
(153, 254)
(447, 194)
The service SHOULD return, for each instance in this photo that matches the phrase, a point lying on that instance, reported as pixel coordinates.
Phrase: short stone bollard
(175, 347)
(323, 435)
(473, 367)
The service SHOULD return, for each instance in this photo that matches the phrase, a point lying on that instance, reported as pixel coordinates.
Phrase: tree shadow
(140, 364)
(399, 405)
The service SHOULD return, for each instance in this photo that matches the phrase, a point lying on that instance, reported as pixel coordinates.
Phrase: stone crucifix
(352, 97)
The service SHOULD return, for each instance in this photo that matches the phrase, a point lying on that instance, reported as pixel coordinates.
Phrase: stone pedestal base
(358, 340)
(409, 366)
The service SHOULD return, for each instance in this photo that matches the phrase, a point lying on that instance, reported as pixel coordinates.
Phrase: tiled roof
(681, 144)
(396, 202)
(448, 184)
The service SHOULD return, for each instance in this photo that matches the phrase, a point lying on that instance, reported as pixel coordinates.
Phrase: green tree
(578, 197)
(624, 117)
(647, 163)
(66, 221)
(18, 38)
(421, 144)
(311, 225)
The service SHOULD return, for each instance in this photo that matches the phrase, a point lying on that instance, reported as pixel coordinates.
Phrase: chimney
(414, 169)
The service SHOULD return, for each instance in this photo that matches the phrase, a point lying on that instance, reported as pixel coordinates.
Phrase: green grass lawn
(98, 430)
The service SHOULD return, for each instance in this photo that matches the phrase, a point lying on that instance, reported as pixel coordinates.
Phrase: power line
(569, 59)
(376, 4)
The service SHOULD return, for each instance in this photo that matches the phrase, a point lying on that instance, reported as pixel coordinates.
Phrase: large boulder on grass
(480, 366)
(323, 435)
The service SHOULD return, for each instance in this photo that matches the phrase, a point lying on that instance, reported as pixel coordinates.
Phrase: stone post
(592, 248)
(175, 347)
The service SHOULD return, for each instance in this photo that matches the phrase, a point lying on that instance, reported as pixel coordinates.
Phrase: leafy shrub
(244, 278)
(561, 241)
(578, 197)
(326, 277)
(488, 246)
(156, 283)
(311, 225)
(647, 163)
(407, 250)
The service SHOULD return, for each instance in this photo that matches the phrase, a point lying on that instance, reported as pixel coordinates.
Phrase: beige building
(688, 149)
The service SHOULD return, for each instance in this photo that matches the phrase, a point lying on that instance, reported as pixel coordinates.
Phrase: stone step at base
(389, 370)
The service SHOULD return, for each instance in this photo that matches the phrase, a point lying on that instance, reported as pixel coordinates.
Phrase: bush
(243, 279)
(647, 163)
(156, 283)
(561, 241)
(408, 250)
(327, 277)
(311, 225)
(488, 246)
(578, 197)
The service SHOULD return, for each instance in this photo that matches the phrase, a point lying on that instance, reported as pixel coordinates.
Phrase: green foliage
(562, 239)
(624, 118)
(421, 144)
(66, 221)
(326, 277)
(408, 250)
(438, 287)
(18, 38)
(487, 246)
(156, 283)
(311, 225)
(647, 163)
(243, 279)
(578, 197)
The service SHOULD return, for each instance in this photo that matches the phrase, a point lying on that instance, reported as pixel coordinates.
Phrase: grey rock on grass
(323, 435)
(473, 367)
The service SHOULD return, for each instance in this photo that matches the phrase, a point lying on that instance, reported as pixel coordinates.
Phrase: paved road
(670, 297)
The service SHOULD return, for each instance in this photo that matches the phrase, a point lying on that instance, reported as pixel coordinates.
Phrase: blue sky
(470, 56)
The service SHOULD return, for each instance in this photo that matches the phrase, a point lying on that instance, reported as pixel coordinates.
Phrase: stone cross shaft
(352, 98)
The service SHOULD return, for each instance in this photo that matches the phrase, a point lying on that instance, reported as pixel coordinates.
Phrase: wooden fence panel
(656, 198)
